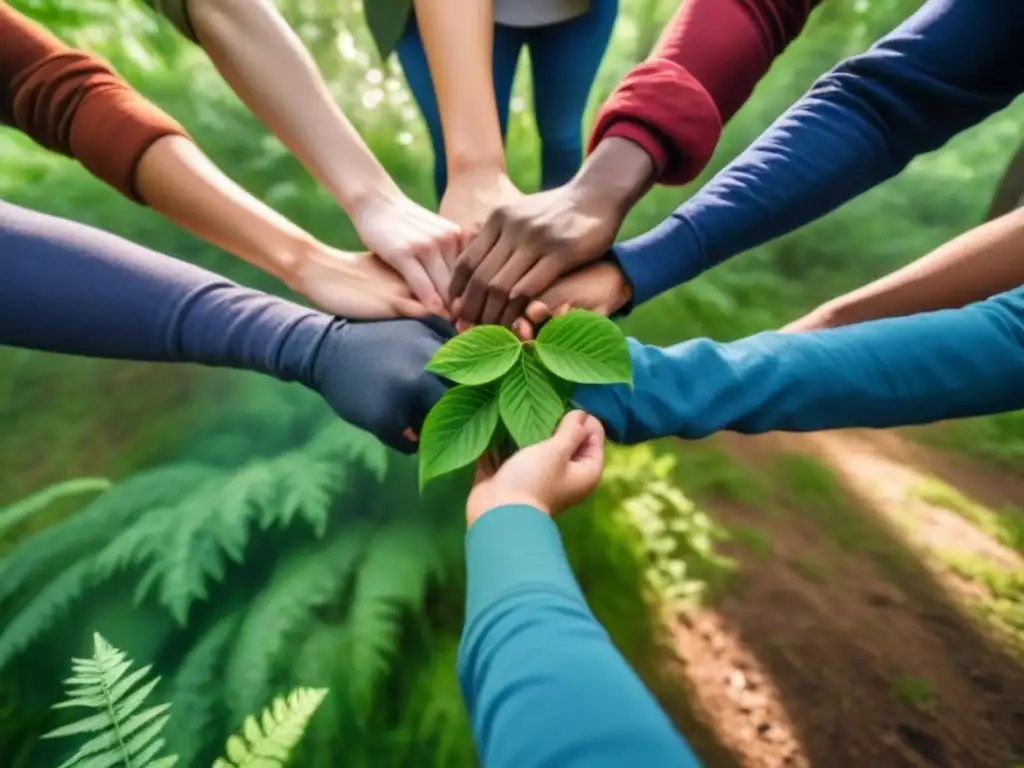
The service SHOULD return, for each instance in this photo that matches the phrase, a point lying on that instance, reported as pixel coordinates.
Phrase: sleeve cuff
(663, 108)
(510, 547)
(666, 256)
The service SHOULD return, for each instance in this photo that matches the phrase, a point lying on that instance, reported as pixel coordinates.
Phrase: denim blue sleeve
(542, 681)
(949, 66)
(69, 288)
(884, 373)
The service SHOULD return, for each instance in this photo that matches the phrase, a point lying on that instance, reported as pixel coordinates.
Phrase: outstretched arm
(705, 66)
(74, 103)
(859, 125)
(980, 263)
(69, 288)
(266, 64)
(884, 373)
(542, 681)
(458, 37)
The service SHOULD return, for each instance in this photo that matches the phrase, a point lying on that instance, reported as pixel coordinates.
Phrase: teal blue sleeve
(542, 681)
(884, 373)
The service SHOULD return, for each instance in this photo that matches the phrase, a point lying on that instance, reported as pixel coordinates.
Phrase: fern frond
(269, 743)
(127, 736)
(45, 609)
(392, 580)
(305, 579)
(22, 510)
(319, 661)
(434, 719)
(95, 526)
(196, 693)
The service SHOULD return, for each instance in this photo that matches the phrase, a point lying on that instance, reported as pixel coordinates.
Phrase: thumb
(570, 435)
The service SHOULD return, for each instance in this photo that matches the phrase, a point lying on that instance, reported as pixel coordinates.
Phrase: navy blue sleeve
(949, 66)
(66, 287)
(884, 373)
(543, 683)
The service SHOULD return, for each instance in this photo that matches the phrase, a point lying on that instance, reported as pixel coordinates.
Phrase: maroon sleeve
(704, 68)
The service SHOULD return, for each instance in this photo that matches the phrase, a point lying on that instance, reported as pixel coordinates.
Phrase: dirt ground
(871, 624)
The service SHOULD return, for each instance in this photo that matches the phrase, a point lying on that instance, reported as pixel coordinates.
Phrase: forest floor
(878, 617)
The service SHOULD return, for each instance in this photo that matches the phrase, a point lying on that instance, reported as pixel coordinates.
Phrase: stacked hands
(493, 256)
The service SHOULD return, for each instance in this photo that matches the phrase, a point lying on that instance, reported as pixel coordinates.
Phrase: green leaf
(586, 348)
(457, 430)
(478, 356)
(529, 404)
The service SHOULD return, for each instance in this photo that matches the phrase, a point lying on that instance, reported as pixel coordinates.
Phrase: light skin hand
(266, 64)
(357, 286)
(472, 195)
(552, 476)
(418, 244)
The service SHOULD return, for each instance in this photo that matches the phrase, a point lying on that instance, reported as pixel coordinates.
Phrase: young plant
(505, 387)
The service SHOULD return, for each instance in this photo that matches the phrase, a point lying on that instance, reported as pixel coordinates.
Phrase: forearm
(73, 289)
(885, 373)
(859, 125)
(266, 64)
(709, 58)
(980, 263)
(531, 651)
(458, 37)
(176, 179)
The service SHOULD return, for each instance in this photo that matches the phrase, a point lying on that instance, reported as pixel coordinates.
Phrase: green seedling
(519, 389)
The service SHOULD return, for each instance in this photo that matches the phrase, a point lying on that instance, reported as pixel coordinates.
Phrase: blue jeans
(565, 58)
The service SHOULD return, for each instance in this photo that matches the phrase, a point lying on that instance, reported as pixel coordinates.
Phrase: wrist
(615, 175)
(474, 512)
(477, 167)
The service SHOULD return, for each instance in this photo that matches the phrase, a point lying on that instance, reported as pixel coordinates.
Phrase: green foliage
(478, 356)
(269, 742)
(16, 514)
(529, 404)
(528, 385)
(460, 425)
(121, 732)
(585, 348)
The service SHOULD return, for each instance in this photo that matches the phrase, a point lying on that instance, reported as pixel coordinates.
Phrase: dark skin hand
(599, 287)
(527, 245)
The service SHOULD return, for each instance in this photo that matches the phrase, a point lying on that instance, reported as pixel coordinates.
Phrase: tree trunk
(1010, 193)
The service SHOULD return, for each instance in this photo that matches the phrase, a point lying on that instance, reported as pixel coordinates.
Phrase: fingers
(404, 307)
(420, 284)
(437, 270)
(592, 446)
(480, 286)
(471, 257)
(570, 433)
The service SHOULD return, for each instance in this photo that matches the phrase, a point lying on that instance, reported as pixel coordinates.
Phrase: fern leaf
(50, 604)
(92, 528)
(304, 580)
(319, 661)
(269, 743)
(196, 692)
(128, 735)
(393, 579)
(22, 510)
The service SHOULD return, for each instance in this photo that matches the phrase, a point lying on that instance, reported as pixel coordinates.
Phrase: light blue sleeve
(884, 373)
(542, 681)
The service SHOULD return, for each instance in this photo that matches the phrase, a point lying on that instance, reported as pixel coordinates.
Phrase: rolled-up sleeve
(74, 103)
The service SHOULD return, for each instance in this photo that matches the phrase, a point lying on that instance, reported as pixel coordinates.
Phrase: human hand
(418, 244)
(551, 476)
(526, 245)
(372, 374)
(600, 287)
(353, 285)
(472, 195)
